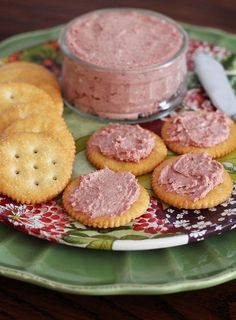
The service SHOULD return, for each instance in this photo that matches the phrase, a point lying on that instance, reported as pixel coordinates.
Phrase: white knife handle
(214, 80)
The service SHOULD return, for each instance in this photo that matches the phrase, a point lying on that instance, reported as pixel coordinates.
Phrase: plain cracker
(27, 72)
(52, 125)
(21, 112)
(34, 167)
(54, 93)
(16, 93)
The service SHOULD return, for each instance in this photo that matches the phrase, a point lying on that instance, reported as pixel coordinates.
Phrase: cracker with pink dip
(105, 199)
(200, 131)
(123, 147)
(192, 181)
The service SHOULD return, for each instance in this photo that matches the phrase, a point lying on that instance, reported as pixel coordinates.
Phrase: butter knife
(214, 80)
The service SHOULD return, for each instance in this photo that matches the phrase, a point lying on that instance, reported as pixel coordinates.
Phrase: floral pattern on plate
(50, 221)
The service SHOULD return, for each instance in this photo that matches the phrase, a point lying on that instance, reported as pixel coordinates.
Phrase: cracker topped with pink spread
(105, 192)
(123, 147)
(105, 199)
(199, 129)
(193, 175)
(123, 142)
(192, 181)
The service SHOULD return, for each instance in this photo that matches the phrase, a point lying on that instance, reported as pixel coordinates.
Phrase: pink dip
(105, 192)
(118, 39)
(193, 175)
(123, 142)
(113, 62)
(199, 129)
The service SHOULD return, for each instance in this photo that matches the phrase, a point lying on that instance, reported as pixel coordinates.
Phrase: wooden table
(19, 300)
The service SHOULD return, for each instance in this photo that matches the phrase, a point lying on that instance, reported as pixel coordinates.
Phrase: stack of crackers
(36, 148)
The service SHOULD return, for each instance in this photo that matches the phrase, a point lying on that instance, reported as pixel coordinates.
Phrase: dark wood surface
(21, 15)
(19, 300)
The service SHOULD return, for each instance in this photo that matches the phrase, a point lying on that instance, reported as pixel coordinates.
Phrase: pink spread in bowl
(123, 63)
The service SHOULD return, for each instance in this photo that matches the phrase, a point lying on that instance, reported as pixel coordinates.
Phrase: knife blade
(214, 80)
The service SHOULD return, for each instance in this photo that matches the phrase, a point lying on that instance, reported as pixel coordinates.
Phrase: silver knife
(214, 80)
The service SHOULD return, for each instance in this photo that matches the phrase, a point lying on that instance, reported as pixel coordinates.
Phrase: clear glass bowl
(132, 95)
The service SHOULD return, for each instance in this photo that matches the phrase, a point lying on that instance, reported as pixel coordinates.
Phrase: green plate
(83, 271)
(96, 272)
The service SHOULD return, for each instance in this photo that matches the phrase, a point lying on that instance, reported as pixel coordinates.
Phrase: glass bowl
(126, 94)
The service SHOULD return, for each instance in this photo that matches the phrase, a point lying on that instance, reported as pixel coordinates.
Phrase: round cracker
(54, 93)
(136, 210)
(216, 151)
(16, 93)
(145, 165)
(15, 75)
(28, 72)
(8, 74)
(52, 125)
(21, 112)
(34, 167)
(216, 196)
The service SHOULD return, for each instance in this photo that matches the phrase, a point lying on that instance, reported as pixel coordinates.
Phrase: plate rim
(121, 288)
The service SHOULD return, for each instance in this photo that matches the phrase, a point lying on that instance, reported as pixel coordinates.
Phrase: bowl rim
(152, 67)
